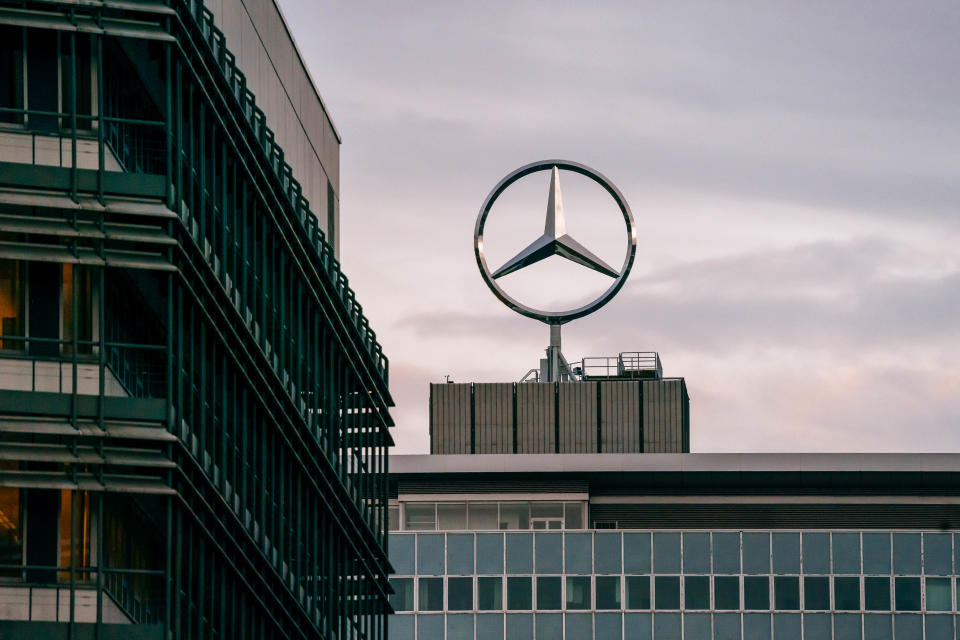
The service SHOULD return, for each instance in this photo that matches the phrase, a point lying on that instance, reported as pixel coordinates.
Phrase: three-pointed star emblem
(555, 241)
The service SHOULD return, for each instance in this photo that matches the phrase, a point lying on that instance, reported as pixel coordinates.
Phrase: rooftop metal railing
(628, 364)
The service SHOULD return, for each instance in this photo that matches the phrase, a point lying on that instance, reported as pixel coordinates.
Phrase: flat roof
(674, 462)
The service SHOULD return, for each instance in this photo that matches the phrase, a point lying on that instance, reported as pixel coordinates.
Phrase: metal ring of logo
(555, 317)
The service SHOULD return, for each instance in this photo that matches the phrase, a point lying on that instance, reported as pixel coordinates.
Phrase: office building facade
(193, 407)
(675, 546)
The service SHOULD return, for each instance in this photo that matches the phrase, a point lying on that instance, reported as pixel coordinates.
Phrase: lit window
(11, 304)
(11, 535)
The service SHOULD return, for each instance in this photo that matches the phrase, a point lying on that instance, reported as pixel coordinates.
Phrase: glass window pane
(756, 626)
(579, 626)
(756, 552)
(573, 515)
(876, 594)
(460, 627)
(938, 594)
(489, 626)
(726, 626)
(393, 518)
(549, 626)
(786, 626)
(816, 553)
(636, 553)
(431, 594)
(878, 627)
(546, 509)
(451, 517)
(549, 596)
(666, 552)
(906, 553)
(514, 515)
(402, 598)
(519, 626)
(489, 552)
(666, 592)
(726, 593)
(429, 627)
(726, 553)
(483, 517)
(667, 626)
(696, 626)
(608, 592)
(876, 553)
(786, 553)
(519, 593)
(606, 552)
(816, 593)
(696, 592)
(907, 594)
(420, 517)
(939, 627)
(609, 625)
(696, 553)
(816, 625)
(548, 549)
(638, 592)
(578, 592)
(756, 593)
(937, 554)
(846, 594)
(578, 553)
(846, 553)
(402, 553)
(430, 554)
(460, 594)
(846, 626)
(786, 593)
(519, 552)
(460, 554)
(489, 593)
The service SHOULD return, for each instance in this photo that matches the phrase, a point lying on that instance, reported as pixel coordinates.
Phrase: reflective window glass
(430, 554)
(786, 552)
(846, 594)
(489, 552)
(546, 510)
(431, 594)
(578, 592)
(816, 553)
(460, 594)
(393, 518)
(666, 552)
(696, 592)
(846, 553)
(451, 517)
(666, 592)
(573, 515)
(756, 552)
(908, 627)
(519, 593)
(402, 598)
(876, 553)
(548, 552)
(876, 594)
(519, 553)
(787, 626)
(937, 559)
(606, 552)
(489, 626)
(756, 593)
(726, 552)
(489, 593)
(420, 517)
(429, 627)
(608, 592)
(549, 626)
(696, 626)
(579, 626)
(638, 592)
(578, 553)
(636, 552)
(756, 626)
(816, 593)
(906, 553)
(514, 515)
(549, 597)
(402, 553)
(938, 594)
(696, 553)
(460, 627)
(786, 593)
(667, 626)
(483, 517)
(907, 594)
(519, 626)
(460, 554)
(726, 593)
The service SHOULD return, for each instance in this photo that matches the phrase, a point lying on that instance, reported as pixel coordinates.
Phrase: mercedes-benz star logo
(555, 241)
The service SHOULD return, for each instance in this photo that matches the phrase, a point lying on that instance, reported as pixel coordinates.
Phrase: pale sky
(793, 168)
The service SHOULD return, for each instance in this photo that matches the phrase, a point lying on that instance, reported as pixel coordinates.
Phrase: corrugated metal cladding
(628, 416)
(778, 516)
(479, 485)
